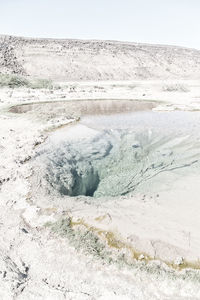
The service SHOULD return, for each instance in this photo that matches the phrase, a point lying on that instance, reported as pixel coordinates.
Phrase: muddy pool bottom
(122, 154)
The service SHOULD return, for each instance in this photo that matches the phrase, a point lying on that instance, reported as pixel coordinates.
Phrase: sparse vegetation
(13, 81)
(97, 87)
(175, 88)
(16, 81)
(42, 84)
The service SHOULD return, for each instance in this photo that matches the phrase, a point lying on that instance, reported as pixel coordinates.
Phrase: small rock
(141, 257)
(179, 261)
(135, 145)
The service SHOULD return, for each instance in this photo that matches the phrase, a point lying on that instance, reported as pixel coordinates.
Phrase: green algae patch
(96, 241)
(107, 246)
(81, 239)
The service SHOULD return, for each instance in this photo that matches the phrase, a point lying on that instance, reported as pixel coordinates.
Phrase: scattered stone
(179, 261)
(141, 257)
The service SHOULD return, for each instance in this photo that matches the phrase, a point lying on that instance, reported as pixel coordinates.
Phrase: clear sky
(151, 21)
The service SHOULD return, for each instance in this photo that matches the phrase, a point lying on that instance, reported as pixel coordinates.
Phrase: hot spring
(119, 154)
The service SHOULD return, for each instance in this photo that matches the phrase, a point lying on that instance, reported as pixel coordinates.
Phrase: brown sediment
(115, 243)
(87, 107)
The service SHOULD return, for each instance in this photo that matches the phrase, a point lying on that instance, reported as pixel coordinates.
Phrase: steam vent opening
(121, 154)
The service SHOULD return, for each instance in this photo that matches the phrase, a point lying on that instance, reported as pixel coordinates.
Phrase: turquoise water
(126, 153)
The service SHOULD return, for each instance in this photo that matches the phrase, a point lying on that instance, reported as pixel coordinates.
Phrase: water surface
(122, 154)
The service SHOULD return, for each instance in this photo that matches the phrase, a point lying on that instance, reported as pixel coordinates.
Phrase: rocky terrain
(78, 60)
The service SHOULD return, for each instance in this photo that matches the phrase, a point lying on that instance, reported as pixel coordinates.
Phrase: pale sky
(172, 22)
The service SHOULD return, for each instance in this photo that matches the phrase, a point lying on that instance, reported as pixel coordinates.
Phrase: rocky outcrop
(9, 62)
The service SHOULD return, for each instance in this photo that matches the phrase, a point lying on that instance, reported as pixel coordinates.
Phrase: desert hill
(84, 60)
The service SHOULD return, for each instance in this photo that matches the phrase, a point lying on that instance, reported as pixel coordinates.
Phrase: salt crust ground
(36, 264)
